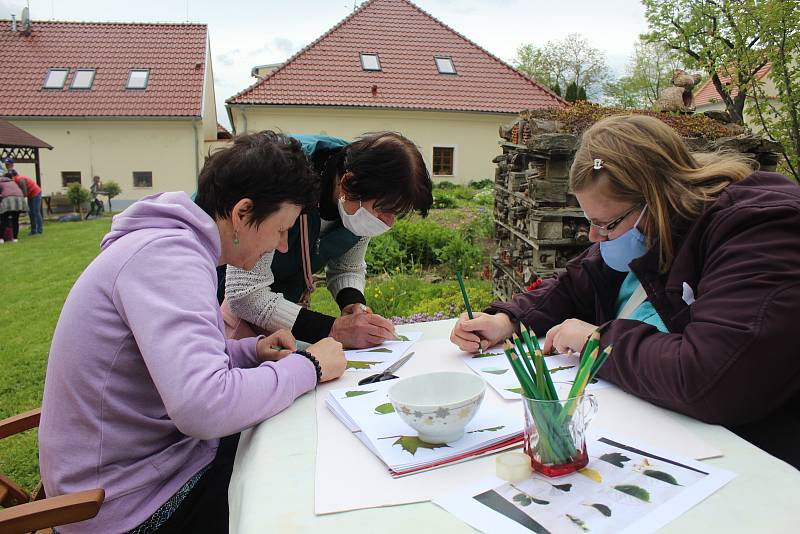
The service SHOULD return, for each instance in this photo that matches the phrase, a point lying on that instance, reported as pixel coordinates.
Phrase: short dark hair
(266, 167)
(388, 168)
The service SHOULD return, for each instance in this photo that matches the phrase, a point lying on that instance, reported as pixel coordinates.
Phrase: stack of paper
(493, 366)
(367, 411)
(377, 359)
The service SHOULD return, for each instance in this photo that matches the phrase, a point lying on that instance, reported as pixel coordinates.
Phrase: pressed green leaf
(557, 369)
(357, 364)
(615, 458)
(578, 521)
(412, 443)
(385, 408)
(356, 393)
(518, 391)
(483, 355)
(562, 487)
(662, 476)
(522, 499)
(602, 508)
(379, 349)
(401, 337)
(634, 491)
(490, 429)
(494, 370)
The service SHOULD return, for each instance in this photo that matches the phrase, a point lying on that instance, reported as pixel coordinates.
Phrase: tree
(780, 118)
(111, 189)
(78, 195)
(649, 71)
(572, 92)
(557, 89)
(721, 37)
(558, 63)
(581, 93)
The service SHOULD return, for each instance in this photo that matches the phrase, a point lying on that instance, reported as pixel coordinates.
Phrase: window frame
(64, 176)
(134, 175)
(452, 160)
(91, 80)
(146, 80)
(452, 64)
(51, 70)
(377, 60)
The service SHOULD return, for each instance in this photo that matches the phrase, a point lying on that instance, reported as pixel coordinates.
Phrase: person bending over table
(365, 186)
(694, 277)
(142, 386)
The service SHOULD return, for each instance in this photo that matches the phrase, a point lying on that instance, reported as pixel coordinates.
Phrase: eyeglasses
(606, 229)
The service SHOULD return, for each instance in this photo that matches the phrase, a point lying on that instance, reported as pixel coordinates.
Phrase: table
(272, 486)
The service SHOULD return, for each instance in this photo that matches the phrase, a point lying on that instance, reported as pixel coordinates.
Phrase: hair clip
(598, 164)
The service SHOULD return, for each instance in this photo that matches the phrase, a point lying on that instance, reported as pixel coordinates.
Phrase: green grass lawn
(38, 273)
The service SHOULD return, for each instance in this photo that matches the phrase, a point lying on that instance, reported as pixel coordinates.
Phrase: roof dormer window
(138, 78)
(370, 62)
(83, 79)
(444, 65)
(55, 78)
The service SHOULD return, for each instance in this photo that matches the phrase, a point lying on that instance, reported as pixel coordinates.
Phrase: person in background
(96, 206)
(34, 195)
(694, 277)
(144, 396)
(12, 203)
(10, 171)
(365, 185)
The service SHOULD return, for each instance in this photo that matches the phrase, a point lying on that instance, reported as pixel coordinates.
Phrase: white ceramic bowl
(438, 405)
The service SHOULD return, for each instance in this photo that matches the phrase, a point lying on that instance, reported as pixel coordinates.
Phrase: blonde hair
(645, 161)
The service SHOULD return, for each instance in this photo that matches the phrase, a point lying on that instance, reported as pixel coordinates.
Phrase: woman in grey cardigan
(364, 187)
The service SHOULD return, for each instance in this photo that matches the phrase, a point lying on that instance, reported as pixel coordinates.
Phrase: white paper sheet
(342, 457)
(497, 372)
(627, 487)
(377, 359)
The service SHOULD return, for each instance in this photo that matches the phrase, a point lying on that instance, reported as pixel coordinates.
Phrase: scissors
(387, 374)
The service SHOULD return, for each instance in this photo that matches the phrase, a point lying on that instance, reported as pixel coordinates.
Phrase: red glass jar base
(559, 470)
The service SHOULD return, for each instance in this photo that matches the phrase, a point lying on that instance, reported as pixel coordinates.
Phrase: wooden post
(36, 165)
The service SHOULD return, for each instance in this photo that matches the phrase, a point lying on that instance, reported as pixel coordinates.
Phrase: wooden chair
(24, 512)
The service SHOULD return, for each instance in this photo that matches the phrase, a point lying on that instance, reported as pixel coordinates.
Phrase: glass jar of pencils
(555, 433)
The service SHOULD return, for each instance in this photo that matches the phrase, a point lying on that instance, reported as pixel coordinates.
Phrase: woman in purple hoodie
(144, 396)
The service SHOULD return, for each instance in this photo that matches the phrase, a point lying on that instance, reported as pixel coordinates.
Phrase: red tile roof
(12, 136)
(707, 93)
(174, 53)
(328, 71)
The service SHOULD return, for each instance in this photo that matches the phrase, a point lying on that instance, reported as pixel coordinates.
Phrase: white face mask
(362, 222)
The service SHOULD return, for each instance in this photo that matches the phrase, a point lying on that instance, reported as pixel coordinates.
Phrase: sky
(246, 33)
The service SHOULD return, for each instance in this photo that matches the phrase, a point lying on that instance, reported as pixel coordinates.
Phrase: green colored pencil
(464, 294)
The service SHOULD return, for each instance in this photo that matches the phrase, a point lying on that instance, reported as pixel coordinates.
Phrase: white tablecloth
(272, 486)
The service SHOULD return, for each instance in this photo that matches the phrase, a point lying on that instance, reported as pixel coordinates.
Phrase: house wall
(473, 135)
(114, 149)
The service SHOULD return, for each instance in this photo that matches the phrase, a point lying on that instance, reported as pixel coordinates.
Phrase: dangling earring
(235, 238)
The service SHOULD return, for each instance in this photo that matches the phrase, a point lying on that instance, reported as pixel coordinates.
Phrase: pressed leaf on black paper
(615, 458)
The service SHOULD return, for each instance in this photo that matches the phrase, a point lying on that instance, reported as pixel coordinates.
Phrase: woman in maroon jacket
(694, 276)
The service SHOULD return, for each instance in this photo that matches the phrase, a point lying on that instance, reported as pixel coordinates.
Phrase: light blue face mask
(619, 252)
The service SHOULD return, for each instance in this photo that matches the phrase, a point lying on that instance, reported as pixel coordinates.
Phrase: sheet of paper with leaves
(625, 488)
(368, 411)
(492, 365)
(377, 359)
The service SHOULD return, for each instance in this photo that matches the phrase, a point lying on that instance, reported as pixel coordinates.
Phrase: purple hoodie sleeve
(243, 352)
(166, 295)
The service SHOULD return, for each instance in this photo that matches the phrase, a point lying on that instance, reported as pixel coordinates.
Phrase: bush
(481, 184)
(461, 255)
(444, 184)
(443, 200)
(484, 197)
(77, 194)
(386, 255)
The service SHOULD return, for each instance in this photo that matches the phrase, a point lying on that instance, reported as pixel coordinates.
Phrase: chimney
(13, 23)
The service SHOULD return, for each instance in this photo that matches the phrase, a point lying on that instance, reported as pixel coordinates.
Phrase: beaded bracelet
(313, 360)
